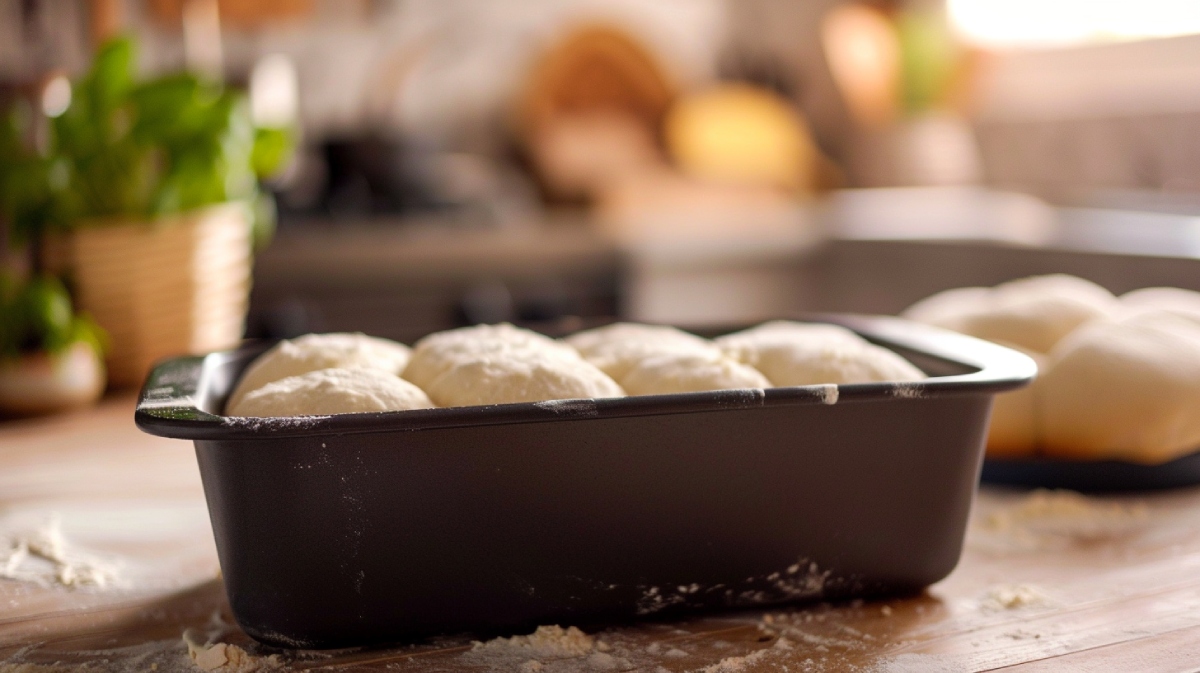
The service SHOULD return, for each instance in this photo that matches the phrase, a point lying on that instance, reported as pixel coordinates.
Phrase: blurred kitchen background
(560, 163)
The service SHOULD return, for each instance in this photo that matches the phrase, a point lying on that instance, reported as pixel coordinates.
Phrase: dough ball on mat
(1014, 432)
(1184, 303)
(520, 376)
(690, 372)
(312, 352)
(618, 348)
(1033, 313)
(949, 308)
(439, 352)
(332, 391)
(1127, 390)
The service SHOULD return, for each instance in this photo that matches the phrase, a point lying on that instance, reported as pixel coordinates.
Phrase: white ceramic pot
(42, 383)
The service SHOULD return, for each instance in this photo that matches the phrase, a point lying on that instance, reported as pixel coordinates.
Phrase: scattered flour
(803, 579)
(737, 664)
(740, 663)
(1055, 519)
(272, 424)
(1013, 597)
(225, 657)
(548, 641)
(44, 557)
(206, 650)
(907, 390)
(552, 649)
(570, 407)
(199, 650)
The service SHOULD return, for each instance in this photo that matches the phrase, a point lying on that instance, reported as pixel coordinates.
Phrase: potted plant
(50, 356)
(145, 195)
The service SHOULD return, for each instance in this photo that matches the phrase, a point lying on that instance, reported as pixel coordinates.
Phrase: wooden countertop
(1047, 582)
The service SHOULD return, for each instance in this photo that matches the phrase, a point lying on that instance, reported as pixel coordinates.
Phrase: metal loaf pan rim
(169, 405)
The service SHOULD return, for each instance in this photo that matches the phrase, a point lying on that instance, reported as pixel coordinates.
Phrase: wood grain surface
(1047, 582)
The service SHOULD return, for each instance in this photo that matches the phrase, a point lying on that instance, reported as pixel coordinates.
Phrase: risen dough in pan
(440, 352)
(667, 373)
(618, 348)
(797, 354)
(743, 344)
(312, 352)
(503, 377)
(331, 391)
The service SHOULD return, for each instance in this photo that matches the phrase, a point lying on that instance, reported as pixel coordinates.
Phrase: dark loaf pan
(385, 527)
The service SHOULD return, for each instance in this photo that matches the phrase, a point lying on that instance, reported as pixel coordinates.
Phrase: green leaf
(272, 150)
(264, 217)
(140, 149)
(929, 55)
(47, 315)
(84, 329)
(110, 78)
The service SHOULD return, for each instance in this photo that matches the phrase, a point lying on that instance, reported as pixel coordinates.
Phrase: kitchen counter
(1047, 582)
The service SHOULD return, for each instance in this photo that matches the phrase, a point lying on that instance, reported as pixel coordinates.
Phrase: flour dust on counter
(1013, 597)
(1046, 519)
(549, 649)
(209, 652)
(43, 556)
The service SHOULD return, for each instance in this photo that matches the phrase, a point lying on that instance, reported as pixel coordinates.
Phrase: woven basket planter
(168, 287)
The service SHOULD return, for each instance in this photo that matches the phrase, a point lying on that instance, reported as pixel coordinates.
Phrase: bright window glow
(1040, 23)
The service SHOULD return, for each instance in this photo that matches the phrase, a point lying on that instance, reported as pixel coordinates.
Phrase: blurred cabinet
(403, 279)
(731, 279)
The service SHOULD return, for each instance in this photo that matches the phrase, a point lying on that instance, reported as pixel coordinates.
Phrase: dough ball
(1127, 390)
(320, 351)
(748, 346)
(800, 364)
(949, 308)
(1014, 432)
(690, 372)
(1033, 313)
(1184, 303)
(800, 354)
(331, 391)
(439, 352)
(618, 348)
(503, 377)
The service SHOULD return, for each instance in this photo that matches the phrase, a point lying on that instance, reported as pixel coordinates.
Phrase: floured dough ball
(799, 354)
(1033, 313)
(1013, 432)
(950, 308)
(618, 348)
(331, 391)
(748, 345)
(438, 353)
(1127, 390)
(504, 377)
(668, 373)
(312, 352)
(801, 364)
(1184, 303)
